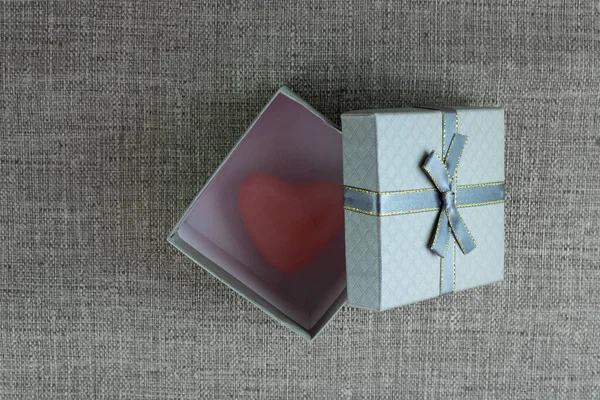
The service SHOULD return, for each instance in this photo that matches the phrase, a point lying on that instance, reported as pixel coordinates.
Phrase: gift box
(406, 205)
(269, 222)
(424, 203)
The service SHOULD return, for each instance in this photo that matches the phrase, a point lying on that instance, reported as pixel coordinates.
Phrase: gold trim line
(419, 210)
(422, 190)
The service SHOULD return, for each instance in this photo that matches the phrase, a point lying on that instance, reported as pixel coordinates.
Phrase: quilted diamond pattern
(483, 158)
(485, 264)
(363, 260)
(409, 271)
(404, 139)
(360, 151)
(483, 162)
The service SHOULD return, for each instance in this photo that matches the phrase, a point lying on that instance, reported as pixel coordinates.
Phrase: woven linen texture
(114, 113)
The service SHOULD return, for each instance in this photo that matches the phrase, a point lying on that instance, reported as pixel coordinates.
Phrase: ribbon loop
(443, 177)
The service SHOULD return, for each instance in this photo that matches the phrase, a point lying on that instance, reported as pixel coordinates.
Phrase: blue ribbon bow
(443, 176)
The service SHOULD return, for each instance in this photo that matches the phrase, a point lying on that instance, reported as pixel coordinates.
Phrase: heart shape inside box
(290, 225)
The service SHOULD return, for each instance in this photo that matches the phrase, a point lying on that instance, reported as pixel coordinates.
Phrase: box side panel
(363, 260)
(273, 294)
(236, 285)
(328, 316)
(362, 231)
(288, 92)
(410, 272)
(360, 151)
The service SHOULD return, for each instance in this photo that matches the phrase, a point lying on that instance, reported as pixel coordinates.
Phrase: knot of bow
(443, 175)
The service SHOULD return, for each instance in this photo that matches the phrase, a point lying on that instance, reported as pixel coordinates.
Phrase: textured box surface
(388, 259)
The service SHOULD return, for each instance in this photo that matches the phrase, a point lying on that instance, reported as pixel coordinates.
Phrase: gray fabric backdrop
(113, 114)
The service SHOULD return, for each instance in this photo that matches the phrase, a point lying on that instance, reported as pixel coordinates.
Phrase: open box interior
(294, 143)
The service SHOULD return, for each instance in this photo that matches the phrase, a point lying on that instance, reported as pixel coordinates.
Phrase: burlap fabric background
(113, 115)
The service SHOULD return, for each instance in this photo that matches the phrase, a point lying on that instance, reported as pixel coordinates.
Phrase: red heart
(290, 225)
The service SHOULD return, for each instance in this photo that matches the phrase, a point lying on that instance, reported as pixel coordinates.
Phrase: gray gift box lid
(388, 259)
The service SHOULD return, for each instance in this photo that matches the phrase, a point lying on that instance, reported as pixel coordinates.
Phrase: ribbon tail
(461, 232)
(441, 236)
